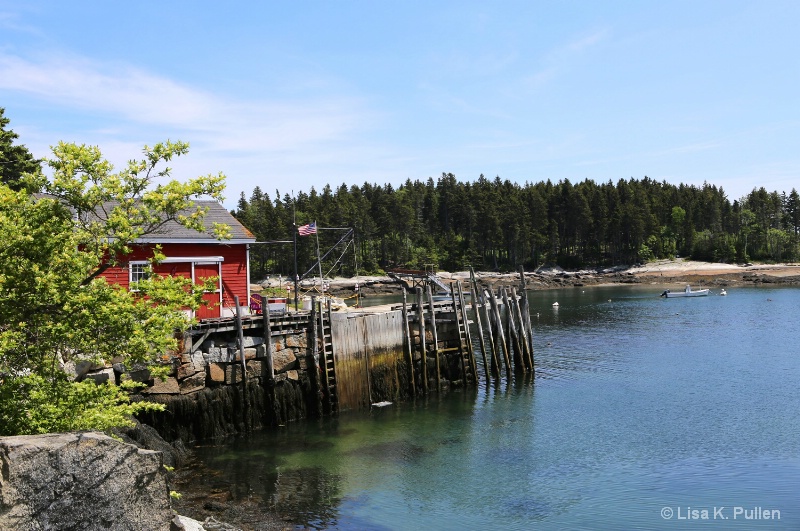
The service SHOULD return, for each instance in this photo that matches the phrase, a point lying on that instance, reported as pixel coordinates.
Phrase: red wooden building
(197, 255)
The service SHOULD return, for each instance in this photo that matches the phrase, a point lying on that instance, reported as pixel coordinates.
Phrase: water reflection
(637, 404)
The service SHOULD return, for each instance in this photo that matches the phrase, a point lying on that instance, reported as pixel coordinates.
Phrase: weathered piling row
(437, 342)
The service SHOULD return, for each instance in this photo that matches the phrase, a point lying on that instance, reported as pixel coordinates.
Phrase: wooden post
(367, 365)
(435, 339)
(240, 334)
(527, 314)
(523, 336)
(489, 325)
(512, 326)
(470, 349)
(501, 336)
(409, 345)
(268, 340)
(315, 350)
(423, 347)
(476, 304)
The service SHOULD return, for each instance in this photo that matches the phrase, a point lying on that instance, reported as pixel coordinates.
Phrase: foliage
(34, 404)
(54, 305)
(497, 224)
(14, 160)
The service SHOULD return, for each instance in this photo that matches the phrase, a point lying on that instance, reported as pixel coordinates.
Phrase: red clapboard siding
(234, 268)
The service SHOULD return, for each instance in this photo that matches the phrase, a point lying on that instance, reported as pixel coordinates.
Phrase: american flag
(307, 230)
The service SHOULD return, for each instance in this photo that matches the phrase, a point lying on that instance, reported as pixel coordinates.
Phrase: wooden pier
(322, 363)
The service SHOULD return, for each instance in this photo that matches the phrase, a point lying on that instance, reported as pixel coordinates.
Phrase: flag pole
(294, 224)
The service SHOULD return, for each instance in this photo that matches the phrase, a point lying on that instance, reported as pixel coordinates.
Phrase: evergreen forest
(498, 225)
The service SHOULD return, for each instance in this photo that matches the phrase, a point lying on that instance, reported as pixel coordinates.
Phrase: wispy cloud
(129, 106)
(138, 96)
(11, 22)
(125, 92)
(560, 58)
(145, 99)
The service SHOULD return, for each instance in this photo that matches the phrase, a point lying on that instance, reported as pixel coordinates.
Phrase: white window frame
(139, 270)
(136, 264)
(193, 260)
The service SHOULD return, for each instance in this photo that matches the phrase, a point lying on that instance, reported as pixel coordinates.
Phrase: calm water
(641, 408)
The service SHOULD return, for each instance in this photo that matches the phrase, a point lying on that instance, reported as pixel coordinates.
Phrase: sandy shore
(680, 267)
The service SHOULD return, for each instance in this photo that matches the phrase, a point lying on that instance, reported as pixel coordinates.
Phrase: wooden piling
(315, 348)
(526, 314)
(409, 345)
(423, 347)
(270, 370)
(435, 339)
(240, 335)
(367, 364)
(501, 336)
(489, 325)
(512, 326)
(476, 305)
(523, 335)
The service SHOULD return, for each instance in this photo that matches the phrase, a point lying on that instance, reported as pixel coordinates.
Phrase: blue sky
(291, 95)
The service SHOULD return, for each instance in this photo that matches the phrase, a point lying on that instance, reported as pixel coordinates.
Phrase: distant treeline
(500, 225)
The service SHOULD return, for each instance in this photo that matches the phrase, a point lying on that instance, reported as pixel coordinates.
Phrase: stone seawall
(209, 393)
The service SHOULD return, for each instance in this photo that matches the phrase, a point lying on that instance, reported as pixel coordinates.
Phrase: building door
(202, 271)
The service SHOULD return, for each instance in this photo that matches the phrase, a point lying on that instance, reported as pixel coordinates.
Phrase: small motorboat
(688, 292)
(723, 292)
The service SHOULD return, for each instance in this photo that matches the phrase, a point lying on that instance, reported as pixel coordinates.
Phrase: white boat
(723, 292)
(685, 293)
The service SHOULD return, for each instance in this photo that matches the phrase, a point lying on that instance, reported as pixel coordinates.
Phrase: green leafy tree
(15, 161)
(56, 309)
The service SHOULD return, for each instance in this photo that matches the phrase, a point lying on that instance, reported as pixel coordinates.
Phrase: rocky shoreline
(665, 272)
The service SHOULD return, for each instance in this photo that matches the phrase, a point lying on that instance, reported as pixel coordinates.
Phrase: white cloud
(120, 108)
(126, 92)
(143, 98)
